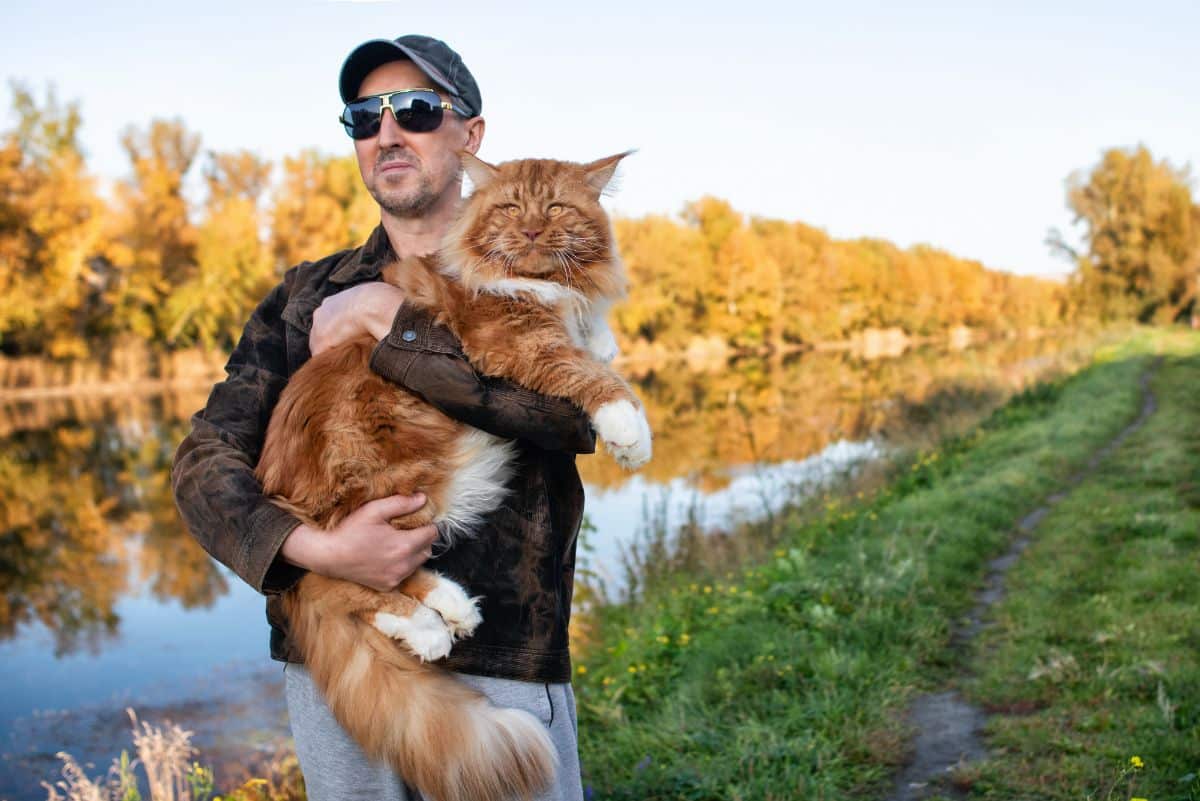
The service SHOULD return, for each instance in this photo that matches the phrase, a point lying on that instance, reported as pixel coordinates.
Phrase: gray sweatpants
(335, 768)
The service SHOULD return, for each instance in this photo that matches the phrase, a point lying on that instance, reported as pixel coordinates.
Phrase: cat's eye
(555, 209)
(512, 210)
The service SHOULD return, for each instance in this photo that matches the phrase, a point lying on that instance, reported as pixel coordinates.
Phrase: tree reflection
(87, 516)
(82, 505)
(772, 411)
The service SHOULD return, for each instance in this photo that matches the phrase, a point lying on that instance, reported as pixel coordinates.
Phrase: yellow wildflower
(1136, 762)
(581, 670)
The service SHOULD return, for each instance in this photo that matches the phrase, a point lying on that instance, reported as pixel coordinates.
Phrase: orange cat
(524, 279)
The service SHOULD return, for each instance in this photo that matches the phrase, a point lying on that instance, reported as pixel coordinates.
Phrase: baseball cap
(434, 58)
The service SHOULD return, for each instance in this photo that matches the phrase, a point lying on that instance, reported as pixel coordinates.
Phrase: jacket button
(409, 336)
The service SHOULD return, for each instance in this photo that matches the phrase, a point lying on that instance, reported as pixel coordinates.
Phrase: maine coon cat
(523, 279)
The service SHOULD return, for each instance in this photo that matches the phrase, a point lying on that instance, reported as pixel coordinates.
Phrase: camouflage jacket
(522, 562)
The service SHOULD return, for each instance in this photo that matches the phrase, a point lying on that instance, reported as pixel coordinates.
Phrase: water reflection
(640, 515)
(86, 514)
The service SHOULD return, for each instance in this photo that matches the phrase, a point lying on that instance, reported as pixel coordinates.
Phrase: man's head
(413, 174)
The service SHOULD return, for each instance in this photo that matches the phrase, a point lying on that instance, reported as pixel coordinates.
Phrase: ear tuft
(600, 172)
(480, 172)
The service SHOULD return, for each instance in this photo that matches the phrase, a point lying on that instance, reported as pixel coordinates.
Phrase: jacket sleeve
(218, 496)
(427, 359)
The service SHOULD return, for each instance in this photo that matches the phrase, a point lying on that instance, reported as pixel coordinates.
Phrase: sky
(951, 124)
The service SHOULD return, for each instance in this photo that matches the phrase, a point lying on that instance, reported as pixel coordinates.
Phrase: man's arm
(218, 496)
(221, 501)
(425, 358)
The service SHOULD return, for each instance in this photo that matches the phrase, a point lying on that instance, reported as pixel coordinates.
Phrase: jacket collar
(364, 263)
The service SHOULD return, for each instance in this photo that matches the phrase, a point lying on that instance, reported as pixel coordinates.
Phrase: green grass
(1095, 656)
(789, 678)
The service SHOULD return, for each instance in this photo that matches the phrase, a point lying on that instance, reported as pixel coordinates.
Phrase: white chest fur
(586, 321)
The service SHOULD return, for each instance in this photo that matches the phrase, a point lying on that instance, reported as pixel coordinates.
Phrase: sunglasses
(415, 110)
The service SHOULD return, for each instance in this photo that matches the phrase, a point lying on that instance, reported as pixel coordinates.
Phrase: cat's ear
(600, 172)
(480, 171)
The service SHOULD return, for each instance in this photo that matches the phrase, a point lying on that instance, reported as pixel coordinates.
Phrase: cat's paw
(625, 432)
(459, 610)
(424, 632)
(602, 344)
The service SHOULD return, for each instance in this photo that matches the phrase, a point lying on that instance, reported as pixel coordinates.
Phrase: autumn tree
(1141, 238)
(233, 267)
(50, 230)
(320, 207)
(669, 267)
(153, 239)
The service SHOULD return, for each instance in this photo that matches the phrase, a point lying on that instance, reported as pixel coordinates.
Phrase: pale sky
(954, 124)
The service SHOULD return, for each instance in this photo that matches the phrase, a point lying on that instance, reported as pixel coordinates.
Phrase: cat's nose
(531, 234)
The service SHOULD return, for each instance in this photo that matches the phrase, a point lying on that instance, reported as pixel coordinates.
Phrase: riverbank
(792, 677)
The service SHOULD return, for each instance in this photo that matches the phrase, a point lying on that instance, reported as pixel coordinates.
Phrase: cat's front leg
(625, 431)
(600, 341)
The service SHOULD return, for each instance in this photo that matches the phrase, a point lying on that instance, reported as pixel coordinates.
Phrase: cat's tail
(444, 738)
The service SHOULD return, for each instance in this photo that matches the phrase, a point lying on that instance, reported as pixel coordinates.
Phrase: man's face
(410, 174)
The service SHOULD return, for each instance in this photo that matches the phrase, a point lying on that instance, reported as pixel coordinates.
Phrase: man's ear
(480, 171)
(475, 128)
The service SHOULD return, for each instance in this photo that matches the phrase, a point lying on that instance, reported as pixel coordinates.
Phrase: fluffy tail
(443, 737)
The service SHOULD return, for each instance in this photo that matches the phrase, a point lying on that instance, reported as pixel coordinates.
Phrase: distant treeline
(79, 271)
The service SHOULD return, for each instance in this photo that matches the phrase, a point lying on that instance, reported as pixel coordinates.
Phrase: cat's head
(536, 220)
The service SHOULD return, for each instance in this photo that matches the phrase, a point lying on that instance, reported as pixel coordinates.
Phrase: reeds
(163, 752)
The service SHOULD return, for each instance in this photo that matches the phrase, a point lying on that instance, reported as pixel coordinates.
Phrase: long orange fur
(531, 248)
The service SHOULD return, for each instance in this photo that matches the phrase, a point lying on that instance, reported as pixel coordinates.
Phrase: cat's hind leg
(402, 617)
(459, 611)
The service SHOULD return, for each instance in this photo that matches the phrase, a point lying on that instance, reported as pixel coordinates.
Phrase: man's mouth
(391, 166)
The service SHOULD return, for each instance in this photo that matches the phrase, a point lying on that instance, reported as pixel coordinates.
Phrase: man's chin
(405, 204)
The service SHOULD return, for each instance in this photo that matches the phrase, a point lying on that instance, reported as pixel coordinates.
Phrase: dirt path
(948, 728)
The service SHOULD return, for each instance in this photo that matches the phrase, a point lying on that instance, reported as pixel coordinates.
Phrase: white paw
(458, 609)
(625, 431)
(423, 632)
(601, 343)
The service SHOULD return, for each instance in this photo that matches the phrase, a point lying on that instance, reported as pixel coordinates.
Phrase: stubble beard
(415, 202)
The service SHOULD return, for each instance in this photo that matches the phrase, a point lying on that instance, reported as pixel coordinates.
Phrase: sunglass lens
(418, 112)
(361, 118)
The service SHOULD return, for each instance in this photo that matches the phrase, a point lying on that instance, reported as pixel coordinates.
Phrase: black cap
(434, 58)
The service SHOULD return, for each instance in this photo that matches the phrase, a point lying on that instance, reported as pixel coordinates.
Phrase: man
(523, 561)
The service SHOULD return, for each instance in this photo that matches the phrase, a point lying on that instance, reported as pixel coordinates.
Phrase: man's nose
(390, 132)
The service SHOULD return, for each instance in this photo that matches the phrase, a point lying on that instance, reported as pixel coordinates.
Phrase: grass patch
(1095, 655)
(789, 678)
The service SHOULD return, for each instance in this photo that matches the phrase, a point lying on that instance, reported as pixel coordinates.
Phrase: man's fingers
(395, 506)
(426, 533)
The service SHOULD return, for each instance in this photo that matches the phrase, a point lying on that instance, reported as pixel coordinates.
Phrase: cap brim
(369, 55)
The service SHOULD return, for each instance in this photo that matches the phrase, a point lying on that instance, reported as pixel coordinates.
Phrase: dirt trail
(947, 728)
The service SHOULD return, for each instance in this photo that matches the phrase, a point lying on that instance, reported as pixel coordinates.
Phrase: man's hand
(365, 548)
(365, 309)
